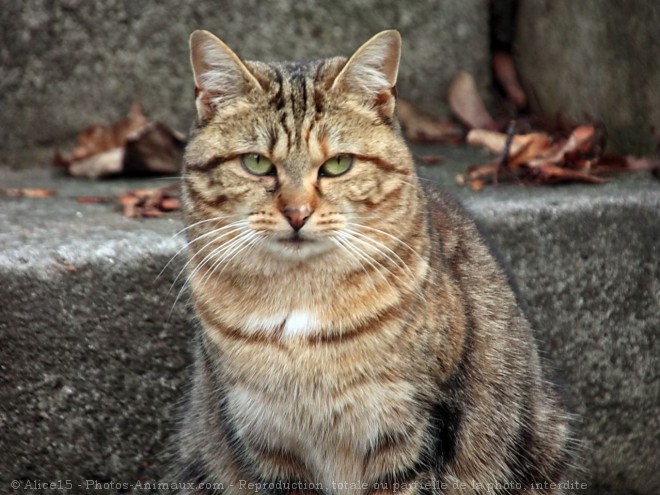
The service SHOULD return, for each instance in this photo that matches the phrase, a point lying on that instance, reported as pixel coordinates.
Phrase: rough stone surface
(92, 364)
(67, 63)
(595, 59)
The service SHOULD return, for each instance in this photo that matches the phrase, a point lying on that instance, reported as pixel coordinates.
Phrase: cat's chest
(321, 406)
(288, 324)
(330, 436)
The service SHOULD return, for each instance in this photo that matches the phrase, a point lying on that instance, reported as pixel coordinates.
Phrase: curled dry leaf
(429, 159)
(149, 202)
(507, 75)
(522, 148)
(643, 164)
(466, 103)
(95, 199)
(68, 266)
(154, 149)
(95, 139)
(549, 173)
(477, 184)
(102, 164)
(132, 146)
(26, 192)
(535, 158)
(418, 127)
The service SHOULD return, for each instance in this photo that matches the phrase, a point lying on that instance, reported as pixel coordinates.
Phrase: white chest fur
(297, 323)
(330, 434)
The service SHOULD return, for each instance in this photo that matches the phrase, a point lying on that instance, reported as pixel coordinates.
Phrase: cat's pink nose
(297, 216)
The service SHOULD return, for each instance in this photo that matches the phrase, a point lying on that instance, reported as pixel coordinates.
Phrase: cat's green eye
(257, 164)
(337, 165)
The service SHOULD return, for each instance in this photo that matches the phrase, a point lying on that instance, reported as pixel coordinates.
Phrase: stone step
(95, 352)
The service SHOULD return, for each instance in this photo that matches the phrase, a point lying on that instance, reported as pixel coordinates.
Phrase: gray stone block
(595, 59)
(93, 365)
(67, 63)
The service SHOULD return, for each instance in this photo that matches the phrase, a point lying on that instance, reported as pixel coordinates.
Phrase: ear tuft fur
(373, 68)
(219, 73)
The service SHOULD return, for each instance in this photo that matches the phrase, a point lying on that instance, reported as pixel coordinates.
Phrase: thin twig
(504, 162)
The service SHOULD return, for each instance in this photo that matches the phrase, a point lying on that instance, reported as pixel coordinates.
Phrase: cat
(356, 334)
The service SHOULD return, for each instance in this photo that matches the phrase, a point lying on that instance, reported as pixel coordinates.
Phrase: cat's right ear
(372, 70)
(219, 74)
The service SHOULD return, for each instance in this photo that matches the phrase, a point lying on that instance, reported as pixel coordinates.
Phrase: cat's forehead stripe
(296, 102)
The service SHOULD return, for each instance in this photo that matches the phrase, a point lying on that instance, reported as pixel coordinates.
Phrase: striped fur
(384, 352)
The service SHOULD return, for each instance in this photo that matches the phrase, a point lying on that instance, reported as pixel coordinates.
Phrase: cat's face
(296, 162)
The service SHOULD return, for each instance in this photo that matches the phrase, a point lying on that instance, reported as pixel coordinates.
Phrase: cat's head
(297, 162)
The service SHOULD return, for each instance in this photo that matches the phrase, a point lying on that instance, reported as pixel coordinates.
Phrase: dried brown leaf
(103, 164)
(130, 204)
(149, 202)
(534, 158)
(522, 148)
(476, 184)
(94, 199)
(26, 192)
(485, 171)
(170, 204)
(429, 159)
(131, 147)
(507, 75)
(549, 173)
(69, 267)
(641, 164)
(419, 127)
(466, 103)
(154, 149)
(95, 139)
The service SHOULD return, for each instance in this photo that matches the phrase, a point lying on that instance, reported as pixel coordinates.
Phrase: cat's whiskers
(390, 236)
(408, 282)
(206, 220)
(360, 259)
(230, 228)
(187, 282)
(337, 243)
(190, 242)
(235, 247)
(378, 267)
(380, 248)
(217, 251)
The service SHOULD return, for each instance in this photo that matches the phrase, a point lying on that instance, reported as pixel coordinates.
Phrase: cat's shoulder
(447, 216)
(458, 231)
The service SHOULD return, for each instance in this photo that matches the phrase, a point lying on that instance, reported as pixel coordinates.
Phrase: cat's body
(356, 334)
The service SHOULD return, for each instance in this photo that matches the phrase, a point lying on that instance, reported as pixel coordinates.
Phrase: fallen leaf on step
(418, 127)
(26, 192)
(466, 103)
(149, 202)
(507, 75)
(95, 199)
(537, 158)
(428, 159)
(132, 146)
(523, 147)
(96, 140)
(102, 164)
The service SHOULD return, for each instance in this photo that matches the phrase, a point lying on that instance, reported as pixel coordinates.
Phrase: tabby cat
(356, 334)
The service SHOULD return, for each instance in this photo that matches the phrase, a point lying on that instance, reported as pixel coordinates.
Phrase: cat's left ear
(373, 69)
(219, 74)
